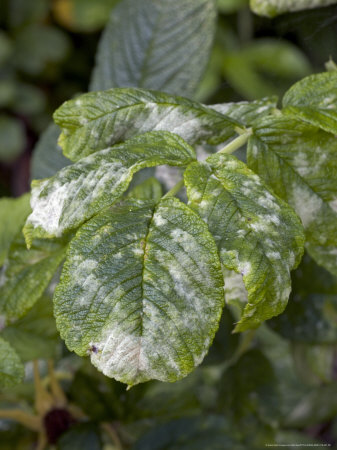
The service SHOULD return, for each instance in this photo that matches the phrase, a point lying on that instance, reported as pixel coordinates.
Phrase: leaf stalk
(237, 142)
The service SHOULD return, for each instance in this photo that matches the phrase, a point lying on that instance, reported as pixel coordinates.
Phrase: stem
(175, 189)
(55, 387)
(237, 142)
(109, 429)
(27, 420)
(43, 400)
(244, 345)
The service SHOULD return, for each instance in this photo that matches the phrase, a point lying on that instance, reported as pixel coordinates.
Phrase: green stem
(237, 142)
(175, 189)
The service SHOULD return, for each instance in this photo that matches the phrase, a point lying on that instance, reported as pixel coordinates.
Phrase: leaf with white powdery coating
(77, 192)
(97, 120)
(314, 100)
(11, 368)
(141, 291)
(247, 112)
(152, 44)
(298, 161)
(27, 273)
(258, 235)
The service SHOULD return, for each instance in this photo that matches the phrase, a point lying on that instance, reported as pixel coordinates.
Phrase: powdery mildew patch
(151, 294)
(255, 231)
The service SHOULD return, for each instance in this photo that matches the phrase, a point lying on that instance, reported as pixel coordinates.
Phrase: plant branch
(109, 429)
(28, 420)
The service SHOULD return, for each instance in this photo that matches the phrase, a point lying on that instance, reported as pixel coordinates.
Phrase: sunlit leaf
(141, 291)
(77, 192)
(258, 235)
(96, 120)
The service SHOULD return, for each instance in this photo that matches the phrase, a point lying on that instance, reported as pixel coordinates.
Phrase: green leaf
(12, 138)
(166, 401)
(5, 47)
(34, 336)
(141, 291)
(298, 162)
(83, 436)
(47, 158)
(192, 433)
(83, 15)
(247, 112)
(27, 273)
(79, 191)
(150, 189)
(37, 45)
(96, 120)
(230, 6)
(156, 45)
(13, 213)
(11, 368)
(314, 364)
(311, 319)
(29, 100)
(21, 12)
(314, 406)
(225, 342)
(314, 101)
(272, 8)
(311, 314)
(258, 235)
(264, 67)
(249, 389)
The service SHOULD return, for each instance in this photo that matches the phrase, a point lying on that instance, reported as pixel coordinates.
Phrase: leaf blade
(258, 235)
(77, 192)
(313, 101)
(150, 315)
(11, 368)
(298, 162)
(156, 45)
(99, 119)
(27, 273)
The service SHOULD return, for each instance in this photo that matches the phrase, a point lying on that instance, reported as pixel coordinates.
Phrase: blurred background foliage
(277, 385)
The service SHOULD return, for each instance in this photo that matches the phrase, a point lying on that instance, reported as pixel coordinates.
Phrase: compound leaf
(27, 273)
(11, 368)
(299, 162)
(79, 191)
(97, 120)
(156, 45)
(141, 291)
(258, 235)
(314, 100)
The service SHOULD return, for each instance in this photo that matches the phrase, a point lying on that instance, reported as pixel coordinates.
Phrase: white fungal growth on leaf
(306, 203)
